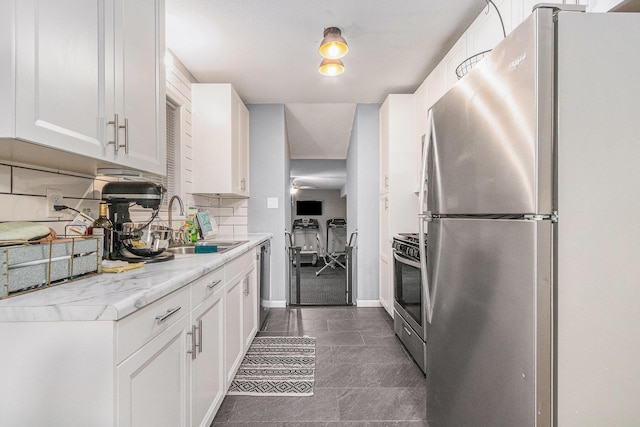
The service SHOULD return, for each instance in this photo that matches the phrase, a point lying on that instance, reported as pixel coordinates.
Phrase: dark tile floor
(364, 377)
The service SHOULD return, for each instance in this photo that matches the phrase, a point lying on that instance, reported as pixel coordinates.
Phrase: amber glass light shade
(333, 46)
(331, 67)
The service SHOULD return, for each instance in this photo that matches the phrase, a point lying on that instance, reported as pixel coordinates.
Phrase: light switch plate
(272, 203)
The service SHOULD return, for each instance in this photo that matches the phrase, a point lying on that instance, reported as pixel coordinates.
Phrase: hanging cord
(504, 33)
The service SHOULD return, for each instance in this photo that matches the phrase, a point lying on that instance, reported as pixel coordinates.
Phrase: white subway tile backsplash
(232, 220)
(23, 208)
(36, 182)
(240, 211)
(239, 230)
(5, 179)
(235, 203)
(225, 230)
(222, 212)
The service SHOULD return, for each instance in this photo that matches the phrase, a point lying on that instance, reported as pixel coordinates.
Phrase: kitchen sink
(223, 246)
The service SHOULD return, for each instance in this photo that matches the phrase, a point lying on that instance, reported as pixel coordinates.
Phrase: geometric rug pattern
(277, 366)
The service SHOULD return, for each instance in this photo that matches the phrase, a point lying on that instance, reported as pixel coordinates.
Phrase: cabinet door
(60, 79)
(486, 31)
(233, 327)
(207, 374)
(241, 149)
(139, 84)
(383, 186)
(386, 294)
(250, 308)
(153, 382)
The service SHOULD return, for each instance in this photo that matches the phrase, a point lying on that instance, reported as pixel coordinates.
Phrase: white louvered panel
(172, 129)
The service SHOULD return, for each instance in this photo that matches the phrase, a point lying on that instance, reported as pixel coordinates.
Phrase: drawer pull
(194, 345)
(407, 330)
(213, 284)
(170, 312)
(199, 328)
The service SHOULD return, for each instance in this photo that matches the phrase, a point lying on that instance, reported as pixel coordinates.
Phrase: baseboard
(274, 304)
(368, 303)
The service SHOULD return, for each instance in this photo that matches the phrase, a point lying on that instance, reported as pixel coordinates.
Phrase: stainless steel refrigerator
(530, 202)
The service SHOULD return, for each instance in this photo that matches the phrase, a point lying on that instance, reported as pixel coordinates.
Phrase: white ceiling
(268, 50)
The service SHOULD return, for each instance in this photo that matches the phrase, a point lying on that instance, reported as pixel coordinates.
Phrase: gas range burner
(410, 238)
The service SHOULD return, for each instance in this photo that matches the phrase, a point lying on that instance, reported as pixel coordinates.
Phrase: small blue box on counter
(205, 248)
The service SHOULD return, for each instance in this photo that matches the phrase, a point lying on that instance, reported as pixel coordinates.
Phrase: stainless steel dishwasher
(263, 253)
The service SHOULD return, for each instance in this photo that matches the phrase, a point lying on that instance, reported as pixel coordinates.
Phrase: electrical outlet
(54, 197)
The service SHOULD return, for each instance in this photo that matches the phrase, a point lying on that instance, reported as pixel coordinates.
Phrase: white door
(153, 383)
(60, 79)
(207, 374)
(233, 327)
(250, 308)
(139, 84)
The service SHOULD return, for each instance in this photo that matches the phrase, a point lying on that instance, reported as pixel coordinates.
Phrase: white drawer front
(206, 286)
(140, 327)
(239, 265)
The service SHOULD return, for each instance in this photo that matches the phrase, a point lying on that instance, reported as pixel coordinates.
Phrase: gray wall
(270, 178)
(362, 198)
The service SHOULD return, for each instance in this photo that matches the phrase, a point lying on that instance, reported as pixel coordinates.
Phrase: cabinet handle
(213, 284)
(199, 328)
(245, 284)
(116, 130)
(386, 203)
(386, 181)
(194, 345)
(126, 136)
(242, 184)
(406, 330)
(170, 312)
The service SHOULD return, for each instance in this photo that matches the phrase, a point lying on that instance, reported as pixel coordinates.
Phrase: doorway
(319, 257)
(325, 281)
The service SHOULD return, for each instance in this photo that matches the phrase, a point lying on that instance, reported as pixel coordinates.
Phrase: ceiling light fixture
(333, 45)
(331, 67)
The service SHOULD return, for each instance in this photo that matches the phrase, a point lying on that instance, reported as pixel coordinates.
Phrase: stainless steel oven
(409, 306)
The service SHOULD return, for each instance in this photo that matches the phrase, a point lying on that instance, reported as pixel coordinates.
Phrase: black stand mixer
(133, 241)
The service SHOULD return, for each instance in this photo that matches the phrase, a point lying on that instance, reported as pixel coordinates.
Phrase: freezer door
(491, 151)
(489, 340)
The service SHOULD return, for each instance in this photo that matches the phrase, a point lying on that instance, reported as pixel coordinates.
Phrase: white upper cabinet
(486, 31)
(139, 85)
(220, 141)
(78, 64)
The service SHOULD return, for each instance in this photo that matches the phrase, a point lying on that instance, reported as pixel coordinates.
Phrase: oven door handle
(406, 260)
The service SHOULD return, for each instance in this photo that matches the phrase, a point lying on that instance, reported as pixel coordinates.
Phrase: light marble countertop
(112, 296)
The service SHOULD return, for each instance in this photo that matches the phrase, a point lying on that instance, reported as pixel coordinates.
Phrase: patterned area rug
(277, 366)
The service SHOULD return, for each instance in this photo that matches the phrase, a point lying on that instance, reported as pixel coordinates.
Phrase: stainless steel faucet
(170, 208)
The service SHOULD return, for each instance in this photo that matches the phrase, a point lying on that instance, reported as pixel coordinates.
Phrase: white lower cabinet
(233, 328)
(241, 315)
(153, 382)
(169, 363)
(250, 307)
(207, 367)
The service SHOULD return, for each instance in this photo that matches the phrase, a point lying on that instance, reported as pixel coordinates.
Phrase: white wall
(362, 203)
(270, 179)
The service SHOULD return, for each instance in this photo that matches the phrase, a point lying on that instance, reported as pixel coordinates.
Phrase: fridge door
(489, 341)
(492, 151)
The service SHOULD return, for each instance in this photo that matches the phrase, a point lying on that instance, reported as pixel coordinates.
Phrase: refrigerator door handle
(425, 216)
(424, 274)
(429, 136)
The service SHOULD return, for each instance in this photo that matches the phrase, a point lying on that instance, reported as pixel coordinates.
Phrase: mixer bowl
(150, 241)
